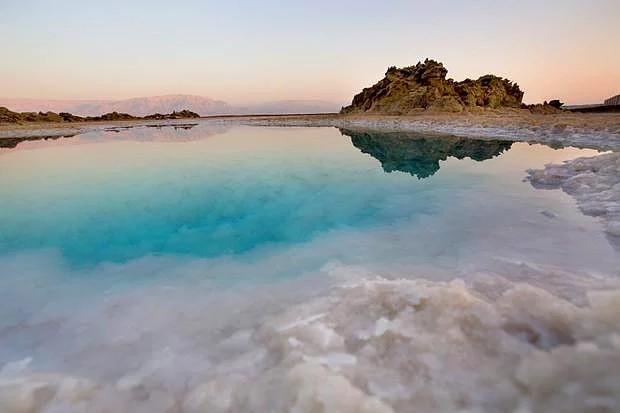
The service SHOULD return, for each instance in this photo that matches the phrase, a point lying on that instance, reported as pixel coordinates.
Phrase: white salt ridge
(380, 346)
(593, 181)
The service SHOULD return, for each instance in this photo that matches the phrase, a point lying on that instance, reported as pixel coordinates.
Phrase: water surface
(148, 246)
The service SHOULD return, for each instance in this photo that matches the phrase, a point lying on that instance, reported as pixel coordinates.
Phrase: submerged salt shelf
(593, 181)
(299, 269)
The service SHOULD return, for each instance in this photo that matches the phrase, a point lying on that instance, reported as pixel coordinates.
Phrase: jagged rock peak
(425, 87)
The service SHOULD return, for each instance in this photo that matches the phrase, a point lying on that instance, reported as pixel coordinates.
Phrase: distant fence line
(613, 100)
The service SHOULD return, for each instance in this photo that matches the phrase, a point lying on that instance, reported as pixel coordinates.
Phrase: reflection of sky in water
(116, 245)
(98, 199)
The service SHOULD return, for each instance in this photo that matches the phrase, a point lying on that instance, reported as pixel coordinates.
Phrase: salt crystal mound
(595, 184)
(382, 346)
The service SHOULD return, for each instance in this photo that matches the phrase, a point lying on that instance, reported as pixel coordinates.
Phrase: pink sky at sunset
(242, 52)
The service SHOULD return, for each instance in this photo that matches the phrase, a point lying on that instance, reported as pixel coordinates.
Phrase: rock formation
(9, 143)
(545, 108)
(8, 116)
(418, 154)
(424, 86)
(184, 114)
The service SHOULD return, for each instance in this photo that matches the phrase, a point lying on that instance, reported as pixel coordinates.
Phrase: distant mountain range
(142, 106)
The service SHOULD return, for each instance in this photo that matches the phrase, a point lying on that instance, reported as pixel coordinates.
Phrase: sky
(253, 51)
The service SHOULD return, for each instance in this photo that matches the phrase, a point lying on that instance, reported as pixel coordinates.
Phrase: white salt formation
(381, 346)
(594, 182)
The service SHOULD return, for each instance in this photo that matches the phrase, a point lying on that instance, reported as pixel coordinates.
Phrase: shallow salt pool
(150, 260)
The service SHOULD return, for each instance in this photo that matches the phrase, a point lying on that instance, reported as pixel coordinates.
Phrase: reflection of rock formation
(13, 142)
(158, 132)
(419, 155)
(162, 132)
(175, 126)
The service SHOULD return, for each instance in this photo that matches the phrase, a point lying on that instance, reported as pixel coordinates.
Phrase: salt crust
(380, 345)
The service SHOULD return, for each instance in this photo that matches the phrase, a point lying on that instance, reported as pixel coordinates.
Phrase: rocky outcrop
(545, 108)
(9, 143)
(425, 87)
(184, 114)
(112, 116)
(419, 154)
(8, 116)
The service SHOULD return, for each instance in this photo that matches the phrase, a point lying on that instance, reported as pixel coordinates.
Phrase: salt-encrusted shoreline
(588, 131)
(596, 131)
(379, 346)
(593, 181)
(43, 130)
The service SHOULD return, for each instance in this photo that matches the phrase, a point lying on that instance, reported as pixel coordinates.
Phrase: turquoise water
(114, 201)
(205, 192)
(120, 245)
